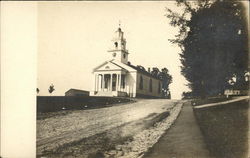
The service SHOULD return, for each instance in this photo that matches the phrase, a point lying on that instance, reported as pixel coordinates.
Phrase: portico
(110, 82)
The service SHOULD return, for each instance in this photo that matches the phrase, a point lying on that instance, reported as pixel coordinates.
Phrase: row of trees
(213, 37)
(51, 89)
(162, 74)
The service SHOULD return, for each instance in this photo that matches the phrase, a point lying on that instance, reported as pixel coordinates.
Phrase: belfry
(118, 50)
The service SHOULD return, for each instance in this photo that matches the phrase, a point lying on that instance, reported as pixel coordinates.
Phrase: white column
(125, 84)
(102, 83)
(116, 83)
(119, 82)
(95, 83)
(111, 82)
(98, 82)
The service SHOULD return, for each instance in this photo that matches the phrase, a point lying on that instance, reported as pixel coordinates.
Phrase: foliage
(213, 37)
(166, 81)
(187, 95)
(51, 88)
(155, 72)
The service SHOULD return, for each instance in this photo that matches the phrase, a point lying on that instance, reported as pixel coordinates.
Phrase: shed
(76, 92)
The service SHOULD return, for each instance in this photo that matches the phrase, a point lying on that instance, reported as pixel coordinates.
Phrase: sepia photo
(132, 79)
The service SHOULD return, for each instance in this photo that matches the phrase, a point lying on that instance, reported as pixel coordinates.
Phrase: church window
(116, 44)
(141, 83)
(124, 55)
(150, 85)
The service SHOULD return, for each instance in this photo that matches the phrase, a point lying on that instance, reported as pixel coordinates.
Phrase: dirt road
(90, 131)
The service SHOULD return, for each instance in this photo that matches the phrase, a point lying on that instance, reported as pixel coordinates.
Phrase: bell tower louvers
(118, 48)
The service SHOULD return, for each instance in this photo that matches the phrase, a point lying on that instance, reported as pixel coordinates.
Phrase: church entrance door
(114, 80)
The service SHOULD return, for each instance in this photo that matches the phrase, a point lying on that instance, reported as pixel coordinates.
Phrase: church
(118, 77)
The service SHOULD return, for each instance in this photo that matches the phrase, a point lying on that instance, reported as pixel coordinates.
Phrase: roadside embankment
(224, 126)
(221, 102)
(141, 142)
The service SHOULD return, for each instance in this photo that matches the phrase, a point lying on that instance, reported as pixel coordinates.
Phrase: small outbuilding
(76, 92)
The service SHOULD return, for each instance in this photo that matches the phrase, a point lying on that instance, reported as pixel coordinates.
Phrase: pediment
(107, 66)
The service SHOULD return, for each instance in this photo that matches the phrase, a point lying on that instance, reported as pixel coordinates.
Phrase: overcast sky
(73, 38)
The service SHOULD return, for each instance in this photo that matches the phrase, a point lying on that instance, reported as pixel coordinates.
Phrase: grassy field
(52, 106)
(225, 129)
(47, 104)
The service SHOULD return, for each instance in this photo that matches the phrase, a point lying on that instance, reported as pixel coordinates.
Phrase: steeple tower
(118, 48)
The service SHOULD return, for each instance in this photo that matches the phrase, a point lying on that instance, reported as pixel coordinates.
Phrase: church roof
(122, 65)
(104, 63)
(77, 90)
(128, 67)
(143, 71)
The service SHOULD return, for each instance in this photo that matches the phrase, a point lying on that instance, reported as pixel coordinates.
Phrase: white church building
(118, 77)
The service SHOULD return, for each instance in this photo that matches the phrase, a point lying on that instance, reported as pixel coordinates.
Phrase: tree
(155, 72)
(166, 81)
(141, 67)
(51, 88)
(213, 37)
(187, 95)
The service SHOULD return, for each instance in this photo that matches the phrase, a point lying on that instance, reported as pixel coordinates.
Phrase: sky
(73, 38)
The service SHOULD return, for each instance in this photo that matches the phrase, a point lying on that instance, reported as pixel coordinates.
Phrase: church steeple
(118, 48)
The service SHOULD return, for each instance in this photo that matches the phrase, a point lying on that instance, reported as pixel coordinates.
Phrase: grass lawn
(225, 129)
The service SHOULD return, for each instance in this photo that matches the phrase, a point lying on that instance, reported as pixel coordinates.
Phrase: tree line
(213, 37)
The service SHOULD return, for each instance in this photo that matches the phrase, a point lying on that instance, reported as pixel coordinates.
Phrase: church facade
(118, 77)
